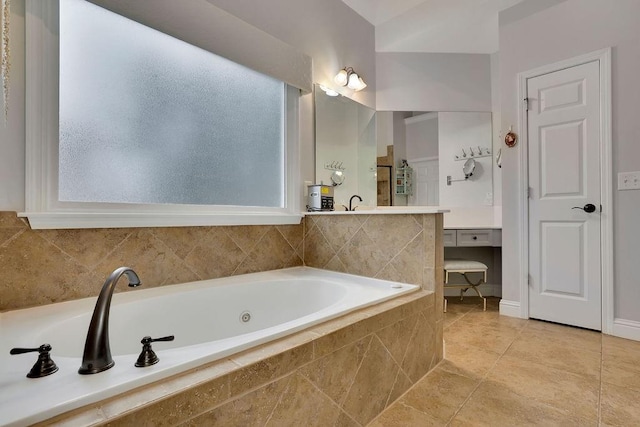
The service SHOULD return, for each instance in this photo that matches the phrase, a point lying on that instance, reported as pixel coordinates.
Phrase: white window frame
(45, 211)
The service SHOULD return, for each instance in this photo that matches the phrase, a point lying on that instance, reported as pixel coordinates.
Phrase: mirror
(367, 148)
(337, 177)
(345, 148)
(436, 146)
(468, 168)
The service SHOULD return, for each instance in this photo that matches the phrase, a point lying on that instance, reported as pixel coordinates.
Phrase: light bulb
(342, 77)
(356, 83)
(353, 81)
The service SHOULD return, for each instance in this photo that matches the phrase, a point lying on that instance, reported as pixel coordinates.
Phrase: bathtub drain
(245, 316)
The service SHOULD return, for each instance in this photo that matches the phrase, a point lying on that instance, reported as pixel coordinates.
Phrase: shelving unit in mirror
(404, 180)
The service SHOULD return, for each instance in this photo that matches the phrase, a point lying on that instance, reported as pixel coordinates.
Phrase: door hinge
(529, 192)
(526, 104)
(529, 279)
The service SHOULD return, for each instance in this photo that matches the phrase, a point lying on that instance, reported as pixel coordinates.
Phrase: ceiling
(460, 26)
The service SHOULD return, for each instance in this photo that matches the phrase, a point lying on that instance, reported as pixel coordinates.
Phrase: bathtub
(210, 319)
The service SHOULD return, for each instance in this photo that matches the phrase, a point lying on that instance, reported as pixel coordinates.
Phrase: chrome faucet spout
(351, 200)
(97, 352)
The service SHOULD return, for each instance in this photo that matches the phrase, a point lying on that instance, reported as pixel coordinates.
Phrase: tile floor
(502, 371)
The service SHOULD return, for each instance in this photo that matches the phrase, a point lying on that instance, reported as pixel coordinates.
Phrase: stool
(464, 267)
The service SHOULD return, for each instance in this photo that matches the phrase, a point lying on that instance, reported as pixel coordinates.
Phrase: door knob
(588, 208)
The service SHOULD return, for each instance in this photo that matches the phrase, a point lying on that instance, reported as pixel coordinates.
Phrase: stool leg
(484, 300)
(445, 305)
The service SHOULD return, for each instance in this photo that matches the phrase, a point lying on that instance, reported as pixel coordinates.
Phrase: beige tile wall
(403, 248)
(47, 266)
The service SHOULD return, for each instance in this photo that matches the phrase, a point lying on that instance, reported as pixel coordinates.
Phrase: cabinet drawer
(474, 238)
(449, 238)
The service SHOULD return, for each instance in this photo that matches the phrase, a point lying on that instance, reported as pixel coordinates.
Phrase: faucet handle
(44, 365)
(148, 357)
(148, 339)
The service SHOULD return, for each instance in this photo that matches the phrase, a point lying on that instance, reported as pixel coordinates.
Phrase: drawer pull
(475, 237)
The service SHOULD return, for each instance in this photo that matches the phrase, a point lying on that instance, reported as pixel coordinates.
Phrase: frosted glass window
(147, 118)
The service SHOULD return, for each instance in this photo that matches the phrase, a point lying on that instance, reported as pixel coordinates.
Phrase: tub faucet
(97, 352)
(351, 200)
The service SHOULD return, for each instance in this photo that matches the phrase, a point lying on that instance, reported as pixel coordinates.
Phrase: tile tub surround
(342, 372)
(399, 247)
(47, 266)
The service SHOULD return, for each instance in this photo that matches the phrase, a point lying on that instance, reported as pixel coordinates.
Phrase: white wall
(569, 29)
(422, 136)
(384, 131)
(399, 149)
(332, 33)
(495, 126)
(458, 131)
(433, 82)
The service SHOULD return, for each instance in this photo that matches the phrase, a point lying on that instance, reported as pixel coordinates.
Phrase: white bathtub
(204, 316)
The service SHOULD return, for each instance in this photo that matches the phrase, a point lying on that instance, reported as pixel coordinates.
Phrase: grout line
(406, 350)
(397, 254)
(19, 232)
(339, 406)
(236, 397)
(360, 227)
(484, 377)
(284, 391)
(245, 254)
(364, 356)
(395, 381)
(199, 238)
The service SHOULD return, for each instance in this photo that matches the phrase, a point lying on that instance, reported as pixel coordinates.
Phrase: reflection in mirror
(337, 177)
(345, 148)
(468, 168)
(436, 145)
(369, 150)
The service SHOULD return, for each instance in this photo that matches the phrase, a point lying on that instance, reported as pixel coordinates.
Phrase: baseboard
(629, 329)
(510, 308)
(487, 290)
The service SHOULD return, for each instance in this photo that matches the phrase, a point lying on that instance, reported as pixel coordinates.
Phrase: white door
(425, 185)
(564, 180)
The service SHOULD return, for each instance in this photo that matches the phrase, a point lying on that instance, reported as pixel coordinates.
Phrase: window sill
(69, 220)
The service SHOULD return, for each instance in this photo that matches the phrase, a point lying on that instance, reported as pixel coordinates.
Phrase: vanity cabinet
(477, 244)
(472, 237)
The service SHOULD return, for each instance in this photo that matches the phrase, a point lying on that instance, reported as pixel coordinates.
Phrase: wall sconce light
(348, 77)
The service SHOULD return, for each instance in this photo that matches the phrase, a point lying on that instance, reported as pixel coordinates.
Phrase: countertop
(385, 210)
(460, 218)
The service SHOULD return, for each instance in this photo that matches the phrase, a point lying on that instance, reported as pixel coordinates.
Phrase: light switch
(629, 181)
